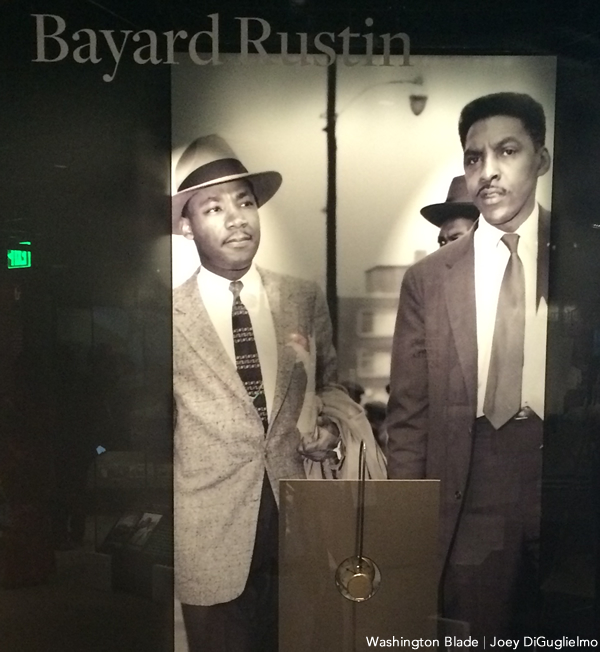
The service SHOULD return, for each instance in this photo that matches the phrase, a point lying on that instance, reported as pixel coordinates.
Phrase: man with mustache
(468, 368)
(250, 349)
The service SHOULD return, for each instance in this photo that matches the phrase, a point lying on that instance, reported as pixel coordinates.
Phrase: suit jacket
(433, 404)
(220, 449)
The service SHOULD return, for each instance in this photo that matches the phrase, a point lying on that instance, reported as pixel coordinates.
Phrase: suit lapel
(197, 328)
(285, 320)
(459, 291)
(543, 257)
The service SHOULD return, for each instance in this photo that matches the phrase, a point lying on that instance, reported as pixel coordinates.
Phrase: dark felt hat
(209, 161)
(457, 204)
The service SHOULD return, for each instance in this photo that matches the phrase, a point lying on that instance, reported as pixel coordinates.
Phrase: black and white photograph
(144, 529)
(254, 378)
(418, 158)
(122, 530)
(299, 326)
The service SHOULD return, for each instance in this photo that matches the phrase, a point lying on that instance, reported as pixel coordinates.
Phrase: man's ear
(545, 161)
(186, 227)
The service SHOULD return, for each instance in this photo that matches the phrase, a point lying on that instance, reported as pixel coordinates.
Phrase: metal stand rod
(360, 511)
(331, 208)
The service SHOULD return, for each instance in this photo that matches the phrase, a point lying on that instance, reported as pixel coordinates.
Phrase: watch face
(358, 578)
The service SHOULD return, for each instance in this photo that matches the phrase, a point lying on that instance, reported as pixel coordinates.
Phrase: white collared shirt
(491, 258)
(218, 301)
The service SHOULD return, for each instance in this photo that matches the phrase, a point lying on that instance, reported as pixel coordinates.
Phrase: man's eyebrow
(209, 198)
(245, 194)
(472, 150)
(508, 140)
(240, 194)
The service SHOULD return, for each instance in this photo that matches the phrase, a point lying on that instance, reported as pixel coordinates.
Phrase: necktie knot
(235, 287)
(511, 240)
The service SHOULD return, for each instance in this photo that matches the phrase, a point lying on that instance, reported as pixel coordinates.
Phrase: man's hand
(323, 446)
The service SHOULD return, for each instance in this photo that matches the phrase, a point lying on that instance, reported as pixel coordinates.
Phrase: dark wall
(572, 437)
(85, 332)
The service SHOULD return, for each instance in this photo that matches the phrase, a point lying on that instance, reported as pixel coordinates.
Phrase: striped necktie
(246, 353)
(505, 375)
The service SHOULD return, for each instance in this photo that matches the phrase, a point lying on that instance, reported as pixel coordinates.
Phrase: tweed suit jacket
(433, 404)
(220, 448)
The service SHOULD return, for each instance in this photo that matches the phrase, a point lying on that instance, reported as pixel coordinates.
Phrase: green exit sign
(19, 258)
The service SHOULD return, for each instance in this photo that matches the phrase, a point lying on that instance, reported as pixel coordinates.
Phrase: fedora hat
(209, 160)
(457, 204)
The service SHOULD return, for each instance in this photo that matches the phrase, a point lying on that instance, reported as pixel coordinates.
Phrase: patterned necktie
(505, 376)
(246, 354)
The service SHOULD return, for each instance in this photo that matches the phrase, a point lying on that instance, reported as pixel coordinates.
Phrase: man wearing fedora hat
(251, 348)
(455, 216)
(468, 368)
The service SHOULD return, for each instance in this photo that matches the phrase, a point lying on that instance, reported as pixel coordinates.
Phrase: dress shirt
(218, 301)
(491, 258)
